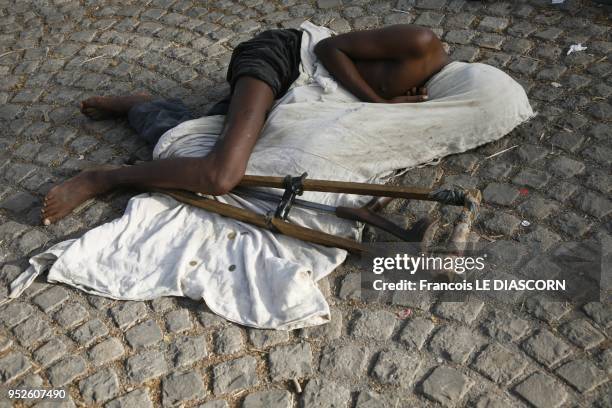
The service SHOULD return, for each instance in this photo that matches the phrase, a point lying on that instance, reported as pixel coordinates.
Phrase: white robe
(254, 277)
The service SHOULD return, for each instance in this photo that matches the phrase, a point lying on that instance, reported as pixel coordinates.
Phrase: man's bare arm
(388, 43)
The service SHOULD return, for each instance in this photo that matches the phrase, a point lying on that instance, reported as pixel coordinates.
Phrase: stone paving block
(290, 362)
(350, 287)
(600, 313)
(181, 387)
(429, 19)
(495, 24)
(500, 364)
(550, 34)
(144, 334)
(538, 207)
(465, 162)
(105, 351)
(522, 29)
(11, 229)
(99, 387)
(498, 59)
(598, 180)
(187, 350)
(531, 153)
(446, 385)
(210, 320)
(32, 331)
(263, 339)
(492, 401)
(371, 399)
(89, 332)
(51, 298)
(214, 404)
(328, 331)
(32, 240)
(162, 305)
(15, 312)
(566, 167)
(524, 65)
(546, 310)
(540, 238)
(66, 370)
(600, 111)
(228, 341)
(325, 394)
(531, 178)
(517, 46)
(70, 315)
(138, 398)
(582, 375)
(593, 204)
(431, 4)
(13, 365)
(34, 288)
(235, 375)
(50, 352)
(19, 202)
(178, 321)
(502, 223)
(501, 194)
(582, 333)
(465, 312)
(562, 191)
(546, 348)
(540, 267)
(366, 22)
(396, 368)
(455, 343)
(541, 390)
(343, 361)
(325, 4)
(504, 326)
(125, 314)
(506, 253)
(416, 332)
(377, 324)
(460, 36)
(567, 141)
(145, 366)
(269, 399)
(465, 53)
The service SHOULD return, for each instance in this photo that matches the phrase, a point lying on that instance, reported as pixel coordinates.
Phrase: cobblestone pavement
(174, 351)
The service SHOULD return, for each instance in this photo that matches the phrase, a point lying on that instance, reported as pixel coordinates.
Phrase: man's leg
(106, 107)
(217, 173)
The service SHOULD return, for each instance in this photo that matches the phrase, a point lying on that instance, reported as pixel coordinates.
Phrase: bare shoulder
(396, 41)
(418, 37)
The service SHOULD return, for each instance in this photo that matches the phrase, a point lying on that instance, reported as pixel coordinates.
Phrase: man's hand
(412, 96)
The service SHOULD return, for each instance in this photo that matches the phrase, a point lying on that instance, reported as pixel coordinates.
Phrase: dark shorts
(272, 56)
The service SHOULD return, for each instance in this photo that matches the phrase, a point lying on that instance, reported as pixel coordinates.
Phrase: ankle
(101, 180)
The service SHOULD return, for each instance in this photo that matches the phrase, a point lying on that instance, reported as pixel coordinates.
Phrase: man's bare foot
(63, 198)
(106, 107)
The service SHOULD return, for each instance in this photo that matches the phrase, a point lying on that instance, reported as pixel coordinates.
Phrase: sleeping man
(388, 66)
(353, 107)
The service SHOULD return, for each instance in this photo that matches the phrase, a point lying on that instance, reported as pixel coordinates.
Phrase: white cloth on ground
(160, 247)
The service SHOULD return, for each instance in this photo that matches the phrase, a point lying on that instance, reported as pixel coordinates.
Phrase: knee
(224, 183)
(221, 178)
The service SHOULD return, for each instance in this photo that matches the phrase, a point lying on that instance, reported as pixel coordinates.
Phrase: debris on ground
(576, 48)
